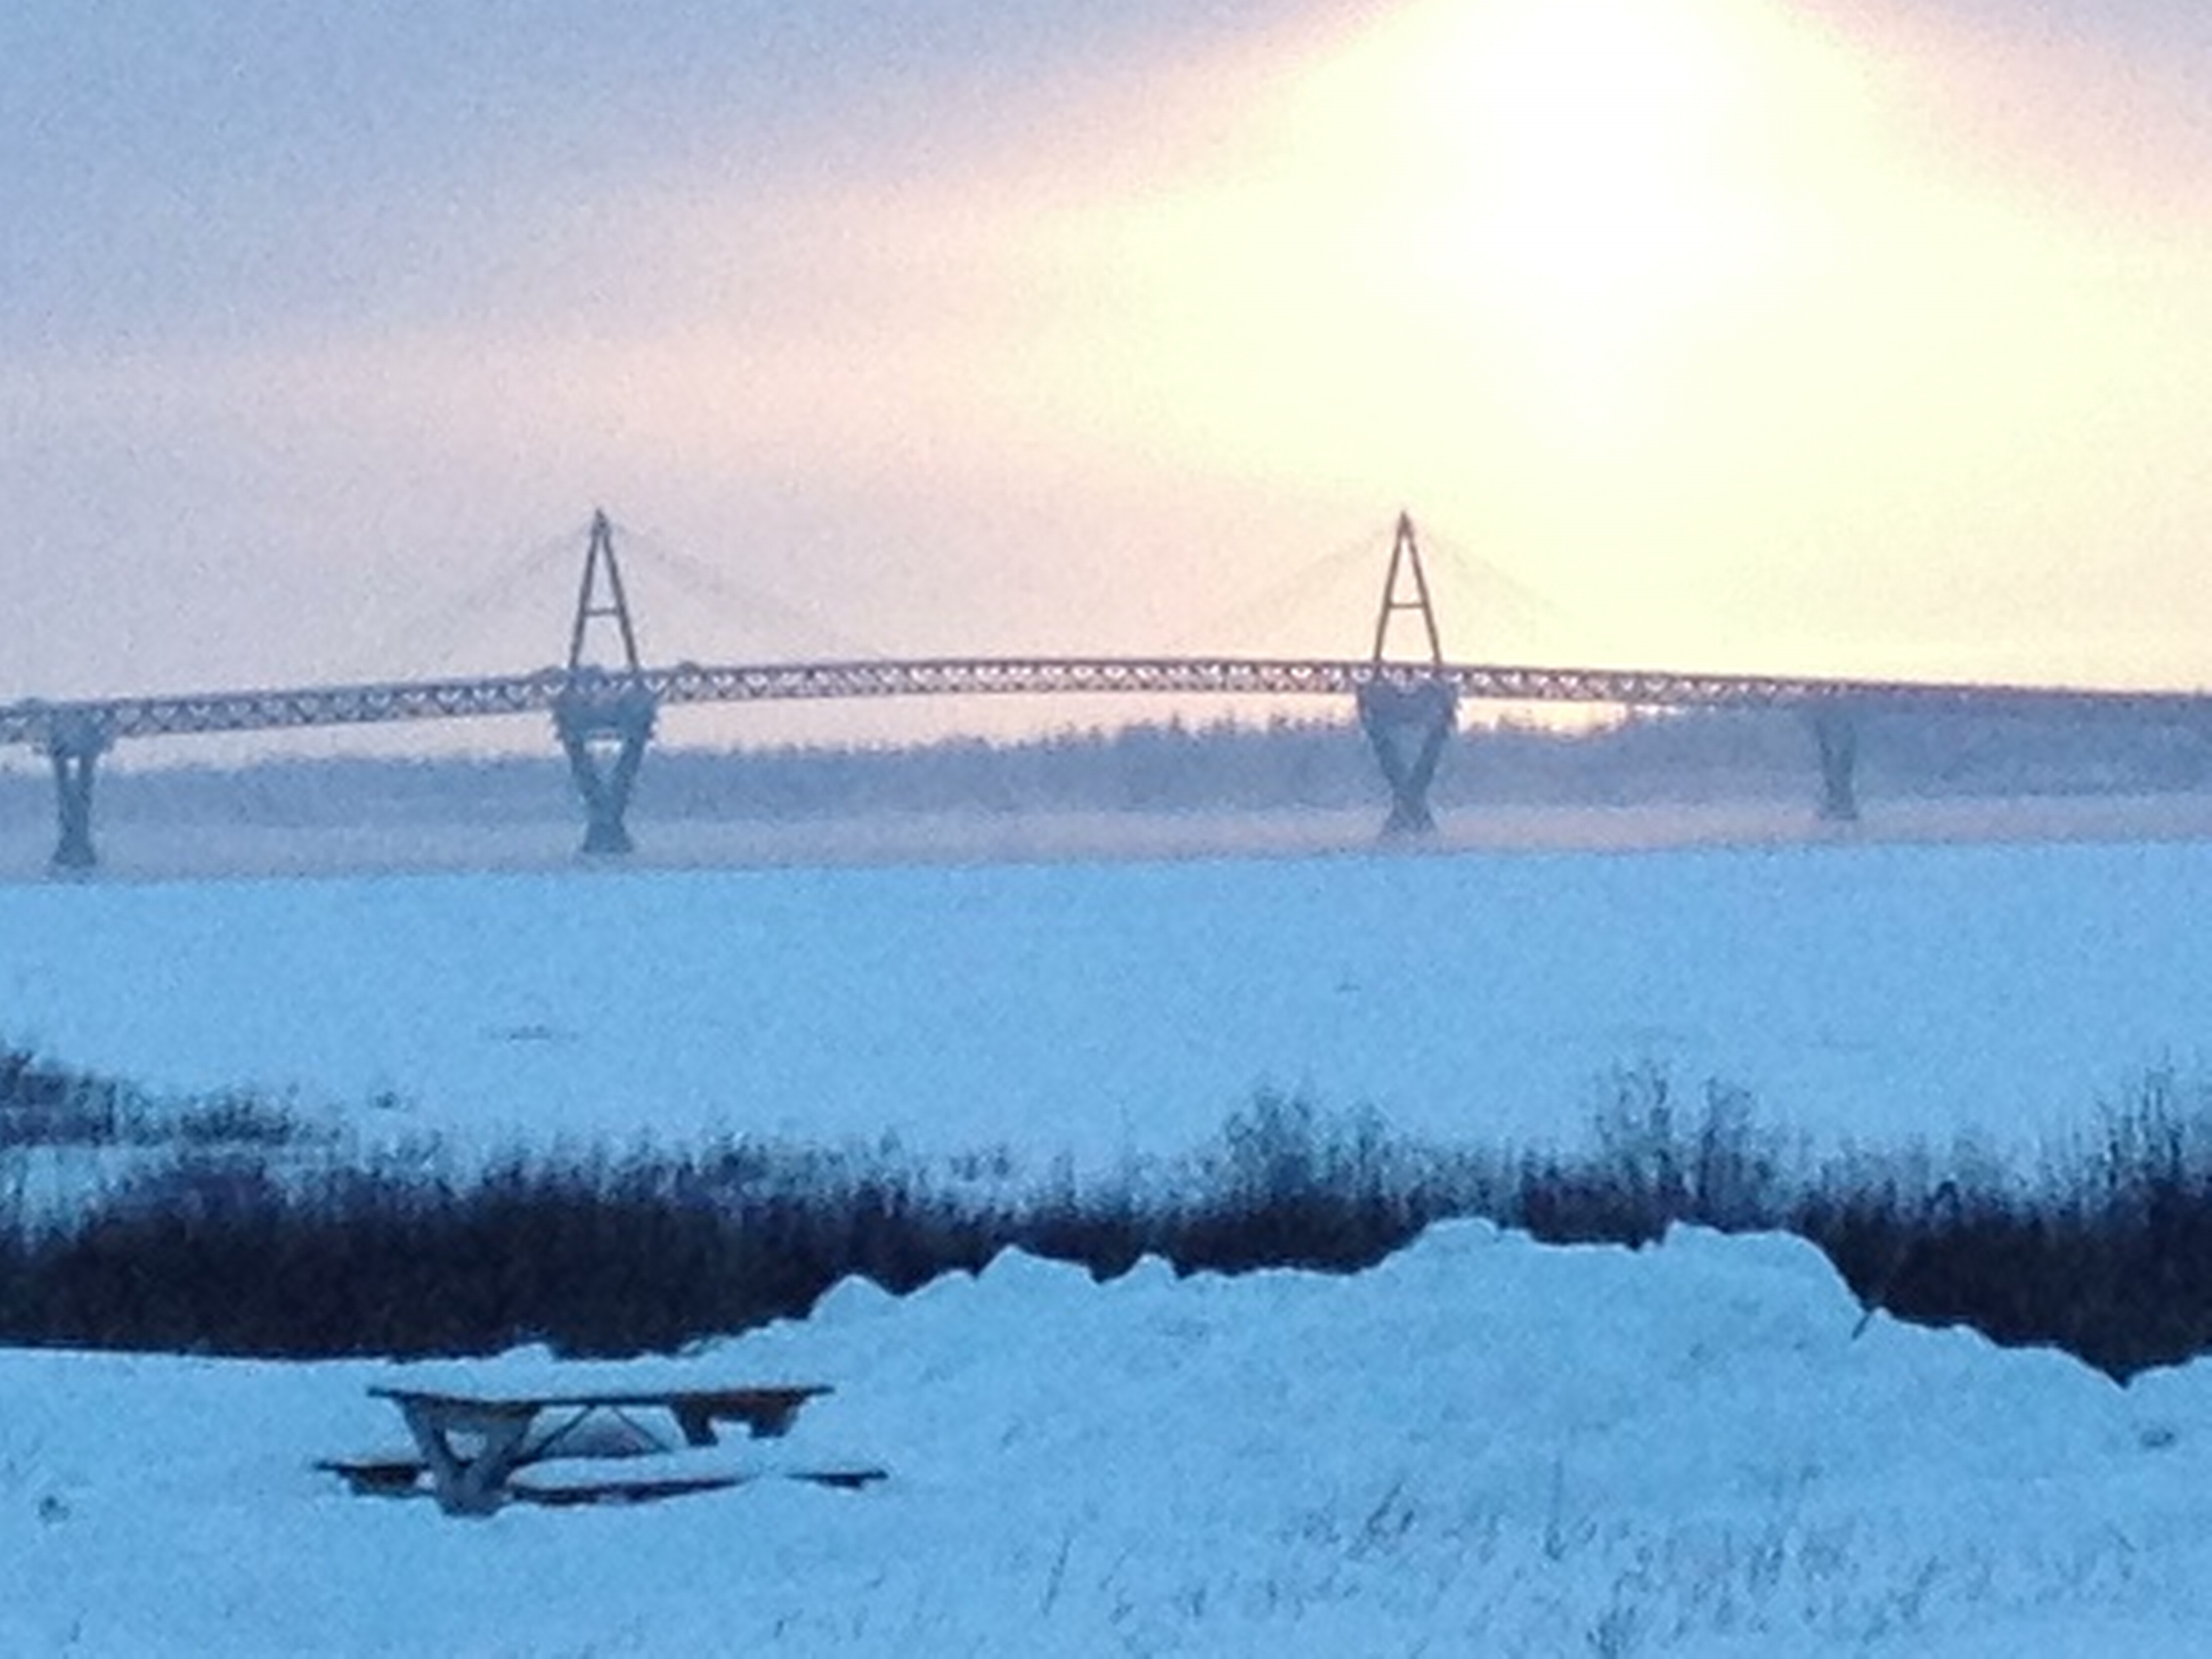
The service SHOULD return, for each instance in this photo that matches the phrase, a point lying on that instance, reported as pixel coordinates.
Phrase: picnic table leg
(697, 1425)
(468, 1485)
(763, 1421)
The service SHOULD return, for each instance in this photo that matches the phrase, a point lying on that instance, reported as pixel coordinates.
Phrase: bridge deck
(95, 723)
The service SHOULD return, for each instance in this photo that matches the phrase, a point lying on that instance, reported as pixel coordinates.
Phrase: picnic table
(481, 1450)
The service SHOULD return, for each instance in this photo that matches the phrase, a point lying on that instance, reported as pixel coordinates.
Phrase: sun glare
(1561, 199)
(1602, 180)
(1651, 291)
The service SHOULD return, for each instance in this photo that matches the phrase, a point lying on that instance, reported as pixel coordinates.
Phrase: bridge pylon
(1407, 708)
(604, 715)
(74, 745)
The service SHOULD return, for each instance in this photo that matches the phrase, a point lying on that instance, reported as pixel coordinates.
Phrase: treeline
(1282, 763)
(263, 1244)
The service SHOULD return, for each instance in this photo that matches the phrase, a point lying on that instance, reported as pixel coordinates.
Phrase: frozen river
(1869, 990)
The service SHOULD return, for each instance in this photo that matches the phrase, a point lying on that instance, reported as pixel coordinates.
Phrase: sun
(1593, 142)
(1565, 201)
(1599, 170)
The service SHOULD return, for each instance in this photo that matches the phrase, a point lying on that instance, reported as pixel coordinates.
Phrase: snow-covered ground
(1482, 1446)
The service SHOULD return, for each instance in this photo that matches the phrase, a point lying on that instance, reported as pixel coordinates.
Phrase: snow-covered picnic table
(615, 1435)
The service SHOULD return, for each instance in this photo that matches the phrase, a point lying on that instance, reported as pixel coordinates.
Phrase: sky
(1850, 336)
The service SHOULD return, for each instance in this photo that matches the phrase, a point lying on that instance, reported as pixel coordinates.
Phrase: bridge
(604, 712)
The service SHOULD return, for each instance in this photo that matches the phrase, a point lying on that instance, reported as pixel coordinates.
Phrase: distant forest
(1282, 763)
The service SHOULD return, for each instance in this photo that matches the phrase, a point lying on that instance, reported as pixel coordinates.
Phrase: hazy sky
(1834, 336)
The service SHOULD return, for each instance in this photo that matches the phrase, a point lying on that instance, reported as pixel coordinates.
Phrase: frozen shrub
(2106, 1252)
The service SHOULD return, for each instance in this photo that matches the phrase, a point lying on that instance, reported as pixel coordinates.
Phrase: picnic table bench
(480, 1451)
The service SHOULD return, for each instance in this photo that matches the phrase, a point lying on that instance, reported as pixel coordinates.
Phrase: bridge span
(40, 725)
(604, 714)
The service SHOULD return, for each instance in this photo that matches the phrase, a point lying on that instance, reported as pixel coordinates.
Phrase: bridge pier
(1836, 735)
(1408, 726)
(74, 750)
(606, 739)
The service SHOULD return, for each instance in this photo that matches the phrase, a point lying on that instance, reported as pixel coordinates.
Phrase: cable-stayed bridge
(603, 711)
